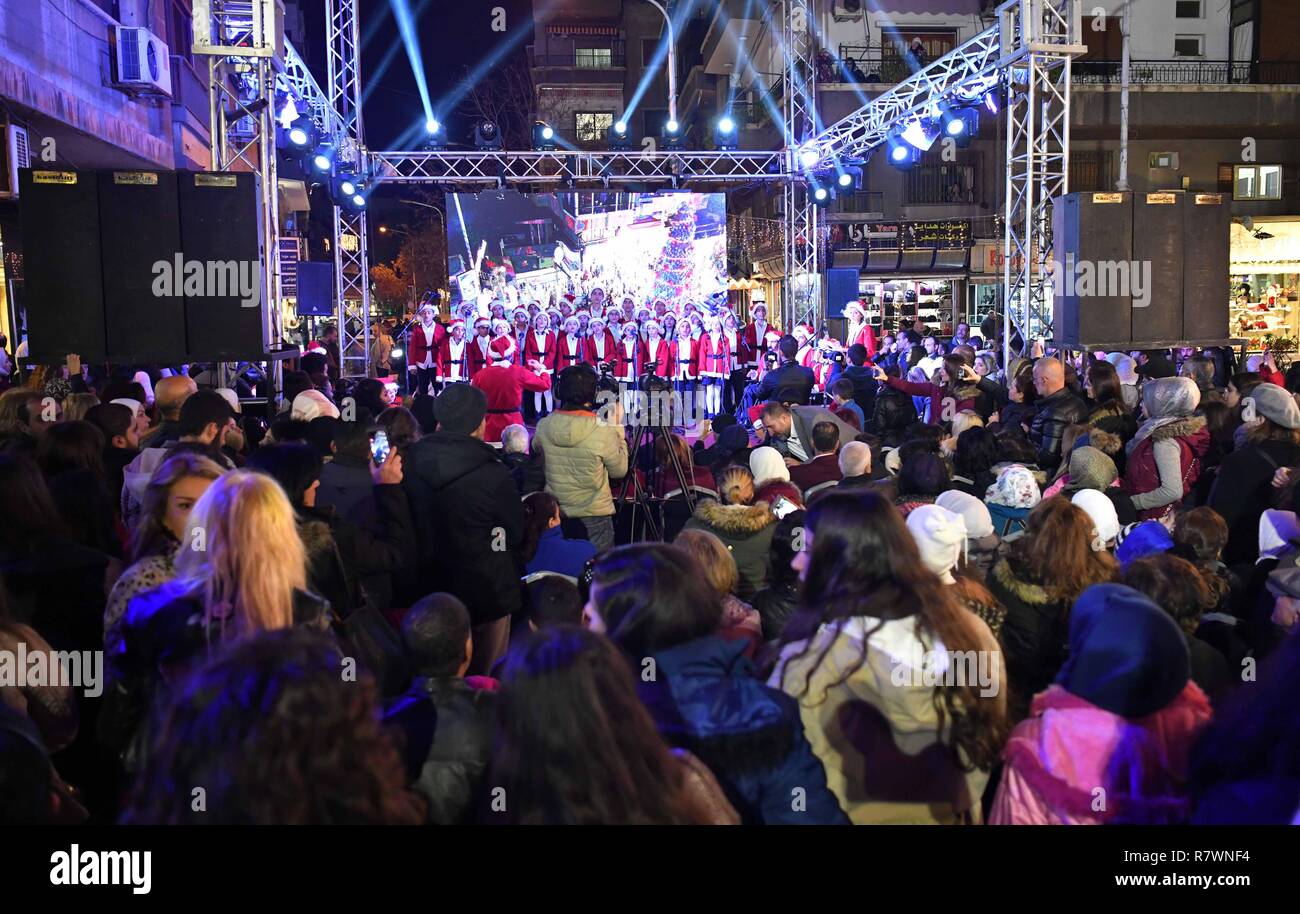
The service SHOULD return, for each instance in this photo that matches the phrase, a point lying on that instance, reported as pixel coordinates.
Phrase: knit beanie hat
(460, 409)
(1137, 541)
(975, 514)
(1016, 488)
(1091, 468)
(940, 536)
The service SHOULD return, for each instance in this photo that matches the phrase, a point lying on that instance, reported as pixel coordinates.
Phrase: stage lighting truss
(544, 139)
(726, 136)
(618, 137)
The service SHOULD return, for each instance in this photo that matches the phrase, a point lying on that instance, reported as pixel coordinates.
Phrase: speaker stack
(142, 266)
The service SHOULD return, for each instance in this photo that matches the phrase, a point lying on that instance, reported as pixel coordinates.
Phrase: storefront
(1265, 284)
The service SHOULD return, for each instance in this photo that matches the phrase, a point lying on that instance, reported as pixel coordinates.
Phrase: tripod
(652, 426)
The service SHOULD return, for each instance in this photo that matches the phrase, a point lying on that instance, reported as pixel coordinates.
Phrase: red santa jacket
(569, 350)
(418, 347)
(658, 361)
(754, 345)
(541, 348)
(453, 360)
(683, 354)
(867, 337)
(629, 359)
(713, 357)
(480, 349)
(607, 352)
(504, 386)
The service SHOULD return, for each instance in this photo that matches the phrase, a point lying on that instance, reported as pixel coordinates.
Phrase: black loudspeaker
(221, 231)
(140, 240)
(61, 265)
(841, 288)
(1158, 256)
(1091, 230)
(1207, 226)
(315, 289)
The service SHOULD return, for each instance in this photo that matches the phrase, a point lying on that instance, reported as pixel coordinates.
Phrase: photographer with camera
(582, 451)
(789, 374)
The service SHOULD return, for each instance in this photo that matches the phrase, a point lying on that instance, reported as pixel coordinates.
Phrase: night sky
(453, 34)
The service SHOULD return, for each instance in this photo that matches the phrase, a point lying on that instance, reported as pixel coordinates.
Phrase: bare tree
(506, 97)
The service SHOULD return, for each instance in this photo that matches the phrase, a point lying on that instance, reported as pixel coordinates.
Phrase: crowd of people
(926, 588)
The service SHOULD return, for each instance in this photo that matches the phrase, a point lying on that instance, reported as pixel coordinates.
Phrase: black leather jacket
(1054, 414)
(447, 730)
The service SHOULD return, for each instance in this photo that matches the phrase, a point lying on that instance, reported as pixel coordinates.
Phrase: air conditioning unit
(17, 154)
(847, 11)
(141, 62)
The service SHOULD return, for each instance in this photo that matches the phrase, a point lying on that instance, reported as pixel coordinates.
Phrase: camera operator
(857, 371)
(789, 374)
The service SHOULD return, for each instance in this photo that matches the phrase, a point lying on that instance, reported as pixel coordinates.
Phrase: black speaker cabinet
(841, 288)
(1092, 232)
(221, 232)
(140, 241)
(316, 289)
(1157, 271)
(1207, 226)
(61, 265)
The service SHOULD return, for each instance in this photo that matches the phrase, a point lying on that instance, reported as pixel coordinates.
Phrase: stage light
(543, 137)
(347, 187)
(323, 157)
(724, 133)
(809, 156)
(902, 155)
(298, 136)
(961, 125)
(487, 136)
(821, 194)
(617, 137)
(671, 136)
(672, 127)
(922, 133)
(846, 180)
(358, 200)
(432, 126)
(991, 101)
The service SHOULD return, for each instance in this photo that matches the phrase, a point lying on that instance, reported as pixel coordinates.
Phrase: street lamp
(672, 62)
(441, 217)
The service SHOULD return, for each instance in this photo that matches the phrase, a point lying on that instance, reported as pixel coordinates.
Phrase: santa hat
(643, 310)
(571, 320)
(483, 322)
(597, 320)
(855, 306)
(518, 311)
(772, 336)
(570, 297)
(653, 323)
(757, 306)
(458, 323)
(504, 348)
(500, 326)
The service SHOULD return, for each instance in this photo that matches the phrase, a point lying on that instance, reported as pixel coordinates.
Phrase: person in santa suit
(756, 345)
(661, 309)
(480, 347)
(684, 353)
(540, 347)
(522, 327)
(424, 342)
(713, 364)
(453, 359)
(859, 330)
(503, 340)
(629, 359)
(504, 383)
(498, 311)
(807, 356)
(599, 343)
(696, 321)
(570, 348)
(734, 387)
(658, 357)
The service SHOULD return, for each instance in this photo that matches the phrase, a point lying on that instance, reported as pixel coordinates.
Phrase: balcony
(566, 65)
(1189, 72)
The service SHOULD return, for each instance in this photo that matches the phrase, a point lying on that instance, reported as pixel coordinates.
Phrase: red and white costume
(480, 354)
(658, 358)
(859, 331)
(452, 359)
(600, 346)
(424, 344)
(570, 349)
(629, 359)
(504, 384)
(541, 347)
(684, 354)
(755, 343)
(713, 357)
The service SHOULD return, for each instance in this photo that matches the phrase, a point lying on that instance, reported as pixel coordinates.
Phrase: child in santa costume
(570, 347)
(424, 342)
(713, 364)
(480, 347)
(658, 357)
(684, 354)
(540, 347)
(734, 386)
(755, 346)
(453, 356)
(859, 330)
(504, 383)
(522, 327)
(599, 343)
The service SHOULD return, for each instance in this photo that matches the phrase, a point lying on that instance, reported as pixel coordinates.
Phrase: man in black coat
(447, 724)
(864, 381)
(469, 520)
(1057, 409)
(789, 374)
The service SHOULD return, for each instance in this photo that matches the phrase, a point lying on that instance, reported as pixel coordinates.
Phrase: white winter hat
(766, 463)
(310, 404)
(1125, 367)
(1102, 511)
(230, 397)
(940, 536)
(133, 405)
(979, 523)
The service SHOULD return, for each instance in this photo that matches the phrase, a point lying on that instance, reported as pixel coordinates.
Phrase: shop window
(1257, 182)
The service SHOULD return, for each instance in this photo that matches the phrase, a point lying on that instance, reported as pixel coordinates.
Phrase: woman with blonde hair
(240, 569)
(739, 619)
(75, 406)
(743, 526)
(169, 496)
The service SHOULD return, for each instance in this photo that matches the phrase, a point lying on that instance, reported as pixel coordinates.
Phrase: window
(1257, 182)
(945, 183)
(1188, 9)
(1090, 169)
(1189, 45)
(593, 58)
(592, 126)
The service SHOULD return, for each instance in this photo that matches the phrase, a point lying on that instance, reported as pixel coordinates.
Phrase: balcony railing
(570, 61)
(864, 64)
(1189, 72)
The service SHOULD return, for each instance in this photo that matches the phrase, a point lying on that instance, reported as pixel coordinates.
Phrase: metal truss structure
(1028, 51)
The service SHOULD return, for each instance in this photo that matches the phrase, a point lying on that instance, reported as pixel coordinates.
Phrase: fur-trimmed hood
(1104, 441)
(1180, 428)
(735, 520)
(1019, 588)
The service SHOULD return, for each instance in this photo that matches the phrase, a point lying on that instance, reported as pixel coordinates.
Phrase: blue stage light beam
(656, 67)
(411, 41)
(373, 79)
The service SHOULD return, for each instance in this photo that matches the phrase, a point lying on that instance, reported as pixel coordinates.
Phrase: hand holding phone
(379, 447)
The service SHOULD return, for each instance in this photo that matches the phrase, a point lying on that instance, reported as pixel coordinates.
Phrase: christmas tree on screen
(675, 269)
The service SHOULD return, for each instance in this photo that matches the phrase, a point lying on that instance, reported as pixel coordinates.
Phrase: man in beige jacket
(581, 452)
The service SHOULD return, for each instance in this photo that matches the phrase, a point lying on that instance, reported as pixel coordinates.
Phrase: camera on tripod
(769, 360)
(606, 380)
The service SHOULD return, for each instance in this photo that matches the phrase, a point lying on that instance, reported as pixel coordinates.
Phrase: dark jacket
(527, 470)
(347, 564)
(1035, 636)
(705, 698)
(747, 531)
(791, 374)
(1054, 415)
(446, 737)
(825, 468)
(775, 605)
(865, 385)
(1243, 490)
(1017, 414)
(465, 505)
(347, 486)
(802, 420)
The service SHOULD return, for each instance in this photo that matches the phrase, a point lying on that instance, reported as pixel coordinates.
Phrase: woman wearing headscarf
(772, 477)
(1164, 457)
(1109, 741)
